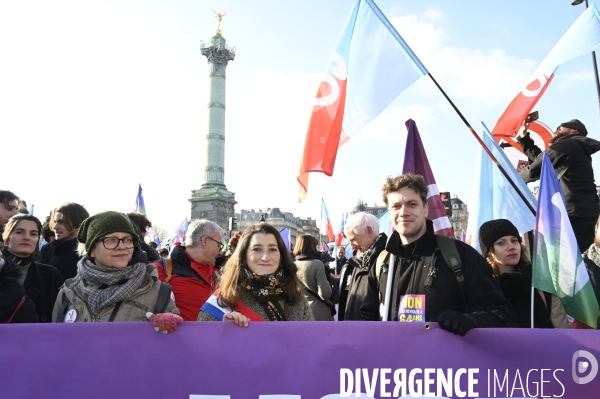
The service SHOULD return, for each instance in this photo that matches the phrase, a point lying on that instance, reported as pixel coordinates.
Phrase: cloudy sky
(98, 96)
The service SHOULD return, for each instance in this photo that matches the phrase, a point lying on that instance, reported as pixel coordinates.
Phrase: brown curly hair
(414, 182)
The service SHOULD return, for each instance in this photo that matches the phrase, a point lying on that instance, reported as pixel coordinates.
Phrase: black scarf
(267, 290)
(19, 260)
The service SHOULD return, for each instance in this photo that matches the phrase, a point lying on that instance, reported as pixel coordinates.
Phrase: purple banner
(309, 360)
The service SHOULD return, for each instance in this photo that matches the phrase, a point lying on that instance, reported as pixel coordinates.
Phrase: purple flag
(416, 162)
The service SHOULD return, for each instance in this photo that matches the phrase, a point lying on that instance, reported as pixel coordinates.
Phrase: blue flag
(140, 207)
(180, 231)
(285, 235)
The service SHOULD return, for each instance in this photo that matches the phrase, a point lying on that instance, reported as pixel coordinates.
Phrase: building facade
(280, 220)
(460, 217)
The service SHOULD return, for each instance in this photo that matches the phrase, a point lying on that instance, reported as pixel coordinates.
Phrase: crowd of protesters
(99, 268)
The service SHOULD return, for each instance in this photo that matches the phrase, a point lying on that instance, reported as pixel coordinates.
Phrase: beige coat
(311, 273)
(135, 308)
(558, 316)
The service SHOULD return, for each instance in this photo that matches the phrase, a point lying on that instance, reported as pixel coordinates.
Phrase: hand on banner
(237, 318)
(164, 322)
(455, 322)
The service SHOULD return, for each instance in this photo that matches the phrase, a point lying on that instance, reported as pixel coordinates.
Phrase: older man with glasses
(193, 267)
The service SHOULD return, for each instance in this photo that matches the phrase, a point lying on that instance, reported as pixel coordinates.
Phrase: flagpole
(388, 288)
(532, 294)
(512, 183)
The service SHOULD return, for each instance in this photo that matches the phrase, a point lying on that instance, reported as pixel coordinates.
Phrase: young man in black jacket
(62, 252)
(424, 287)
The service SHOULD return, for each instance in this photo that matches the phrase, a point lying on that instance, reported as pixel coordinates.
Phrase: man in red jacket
(192, 279)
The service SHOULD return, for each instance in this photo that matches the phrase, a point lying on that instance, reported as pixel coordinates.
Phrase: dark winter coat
(345, 279)
(575, 153)
(360, 278)
(42, 284)
(151, 254)
(517, 289)
(62, 254)
(483, 300)
(11, 294)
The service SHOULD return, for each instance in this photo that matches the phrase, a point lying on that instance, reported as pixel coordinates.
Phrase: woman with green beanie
(113, 283)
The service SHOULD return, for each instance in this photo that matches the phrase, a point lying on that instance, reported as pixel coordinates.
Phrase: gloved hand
(164, 322)
(455, 322)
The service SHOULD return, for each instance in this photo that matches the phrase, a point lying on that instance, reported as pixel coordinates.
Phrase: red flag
(512, 119)
(416, 162)
(324, 130)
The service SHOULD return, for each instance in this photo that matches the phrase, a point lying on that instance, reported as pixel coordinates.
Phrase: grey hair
(359, 222)
(199, 228)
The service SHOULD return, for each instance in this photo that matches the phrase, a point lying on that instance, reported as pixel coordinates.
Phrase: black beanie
(491, 231)
(575, 124)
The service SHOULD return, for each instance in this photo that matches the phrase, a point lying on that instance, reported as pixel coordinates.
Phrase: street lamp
(576, 3)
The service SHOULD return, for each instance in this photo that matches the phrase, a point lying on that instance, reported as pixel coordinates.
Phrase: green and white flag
(558, 267)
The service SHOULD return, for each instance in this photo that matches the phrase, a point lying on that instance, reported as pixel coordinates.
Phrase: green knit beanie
(102, 224)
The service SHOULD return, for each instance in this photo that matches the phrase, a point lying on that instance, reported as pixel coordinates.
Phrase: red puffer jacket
(192, 283)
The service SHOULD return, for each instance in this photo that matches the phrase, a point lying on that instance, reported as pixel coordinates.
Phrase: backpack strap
(168, 270)
(19, 306)
(450, 254)
(383, 257)
(114, 312)
(162, 301)
(62, 311)
(167, 266)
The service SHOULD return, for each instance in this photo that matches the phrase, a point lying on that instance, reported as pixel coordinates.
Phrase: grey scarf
(104, 286)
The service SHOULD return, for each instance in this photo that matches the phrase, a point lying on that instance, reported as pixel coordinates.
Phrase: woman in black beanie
(501, 246)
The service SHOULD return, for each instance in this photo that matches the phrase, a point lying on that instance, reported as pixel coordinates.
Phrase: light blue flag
(157, 241)
(31, 209)
(370, 66)
(348, 254)
(558, 267)
(385, 223)
(494, 197)
(380, 66)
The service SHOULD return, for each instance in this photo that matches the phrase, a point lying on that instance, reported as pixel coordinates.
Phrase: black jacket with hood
(574, 152)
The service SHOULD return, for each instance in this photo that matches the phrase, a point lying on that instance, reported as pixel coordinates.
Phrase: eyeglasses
(221, 245)
(113, 242)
